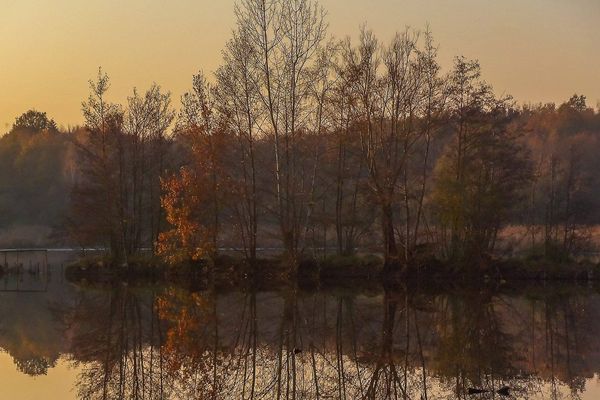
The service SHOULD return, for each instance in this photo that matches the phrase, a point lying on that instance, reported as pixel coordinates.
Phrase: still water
(66, 341)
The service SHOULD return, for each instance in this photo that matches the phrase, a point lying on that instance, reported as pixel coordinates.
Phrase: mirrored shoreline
(167, 342)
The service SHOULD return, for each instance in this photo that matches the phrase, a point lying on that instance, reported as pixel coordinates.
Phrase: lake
(65, 341)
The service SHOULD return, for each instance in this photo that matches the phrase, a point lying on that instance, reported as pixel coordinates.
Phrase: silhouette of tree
(35, 121)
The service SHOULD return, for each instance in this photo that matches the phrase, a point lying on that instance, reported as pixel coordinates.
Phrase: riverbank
(332, 271)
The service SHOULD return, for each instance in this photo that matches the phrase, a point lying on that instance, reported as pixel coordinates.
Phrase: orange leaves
(189, 317)
(193, 198)
(183, 200)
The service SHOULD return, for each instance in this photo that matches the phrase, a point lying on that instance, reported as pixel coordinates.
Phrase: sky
(535, 50)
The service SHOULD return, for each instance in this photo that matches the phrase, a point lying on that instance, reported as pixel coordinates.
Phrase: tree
(577, 103)
(239, 104)
(284, 38)
(484, 169)
(195, 196)
(33, 183)
(122, 158)
(35, 121)
(562, 198)
(98, 187)
(184, 201)
(396, 90)
(147, 120)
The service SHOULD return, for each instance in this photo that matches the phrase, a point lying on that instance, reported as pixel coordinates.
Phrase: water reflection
(163, 343)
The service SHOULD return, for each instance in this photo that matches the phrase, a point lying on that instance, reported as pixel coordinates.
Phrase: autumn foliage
(187, 239)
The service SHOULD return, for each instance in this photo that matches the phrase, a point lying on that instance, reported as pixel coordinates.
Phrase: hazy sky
(536, 50)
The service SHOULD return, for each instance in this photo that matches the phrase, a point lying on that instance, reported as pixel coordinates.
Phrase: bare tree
(122, 158)
(238, 102)
(285, 36)
(147, 120)
(396, 87)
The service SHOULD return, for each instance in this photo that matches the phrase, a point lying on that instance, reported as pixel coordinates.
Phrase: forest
(304, 146)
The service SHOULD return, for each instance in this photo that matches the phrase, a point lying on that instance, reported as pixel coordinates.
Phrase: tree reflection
(388, 379)
(34, 366)
(116, 343)
(288, 344)
(191, 348)
(473, 350)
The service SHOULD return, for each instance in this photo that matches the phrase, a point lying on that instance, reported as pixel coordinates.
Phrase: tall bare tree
(238, 102)
(284, 36)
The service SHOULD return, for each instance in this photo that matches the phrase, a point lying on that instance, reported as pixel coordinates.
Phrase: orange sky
(536, 50)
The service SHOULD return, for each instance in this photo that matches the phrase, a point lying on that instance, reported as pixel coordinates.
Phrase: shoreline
(337, 272)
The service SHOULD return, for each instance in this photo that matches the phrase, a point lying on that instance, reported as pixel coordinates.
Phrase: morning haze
(538, 51)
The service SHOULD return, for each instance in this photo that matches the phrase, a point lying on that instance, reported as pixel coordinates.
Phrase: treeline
(311, 145)
(36, 164)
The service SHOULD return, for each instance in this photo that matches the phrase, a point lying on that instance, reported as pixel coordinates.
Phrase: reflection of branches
(289, 345)
(34, 366)
(115, 343)
(385, 381)
(474, 350)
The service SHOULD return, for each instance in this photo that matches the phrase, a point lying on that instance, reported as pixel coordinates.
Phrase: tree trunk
(389, 236)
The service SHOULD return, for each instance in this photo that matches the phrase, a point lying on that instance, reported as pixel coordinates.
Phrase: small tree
(194, 198)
